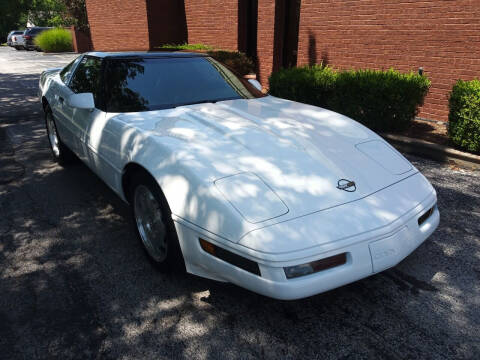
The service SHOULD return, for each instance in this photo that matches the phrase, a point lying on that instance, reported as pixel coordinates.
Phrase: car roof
(144, 54)
(38, 28)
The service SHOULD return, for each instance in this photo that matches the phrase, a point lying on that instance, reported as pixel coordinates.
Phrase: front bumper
(367, 253)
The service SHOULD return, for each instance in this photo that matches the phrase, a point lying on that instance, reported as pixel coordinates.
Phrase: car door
(62, 111)
(87, 79)
(95, 137)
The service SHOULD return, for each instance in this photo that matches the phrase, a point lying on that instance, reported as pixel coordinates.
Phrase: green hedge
(381, 100)
(192, 47)
(464, 116)
(236, 60)
(55, 40)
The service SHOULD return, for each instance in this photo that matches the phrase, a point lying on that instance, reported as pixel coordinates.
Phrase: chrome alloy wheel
(52, 135)
(148, 217)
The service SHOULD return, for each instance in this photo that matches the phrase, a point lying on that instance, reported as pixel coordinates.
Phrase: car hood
(275, 159)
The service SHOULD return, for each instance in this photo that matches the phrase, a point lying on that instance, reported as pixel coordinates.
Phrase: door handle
(61, 99)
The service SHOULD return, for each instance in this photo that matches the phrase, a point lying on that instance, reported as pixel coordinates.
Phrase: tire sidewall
(57, 158)
(65, 155)
(174, 259)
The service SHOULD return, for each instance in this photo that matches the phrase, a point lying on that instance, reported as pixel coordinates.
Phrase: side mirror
(81, 101)
(256, 84)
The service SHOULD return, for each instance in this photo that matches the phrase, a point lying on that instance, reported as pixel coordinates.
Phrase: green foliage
(16, 13)
(464, 116)
(193, 47)
(236, 60)
(45, 12)
(55, 40)
(311, 85)
(76, 14)
(381, 100)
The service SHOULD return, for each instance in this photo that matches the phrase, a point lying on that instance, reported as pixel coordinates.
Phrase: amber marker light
(208, 247)
(229, 257)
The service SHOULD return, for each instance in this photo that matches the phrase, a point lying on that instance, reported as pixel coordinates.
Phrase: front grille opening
(229, 257)
(425, 216)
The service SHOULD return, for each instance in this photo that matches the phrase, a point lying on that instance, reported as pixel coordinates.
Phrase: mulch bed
(433, 131)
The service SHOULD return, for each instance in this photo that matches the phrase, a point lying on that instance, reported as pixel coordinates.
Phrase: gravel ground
(74, 282)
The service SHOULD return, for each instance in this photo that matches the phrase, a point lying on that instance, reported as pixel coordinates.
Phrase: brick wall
(265, 39)
(213, 22)
(441, 36)
(117, 25)
(166, 22)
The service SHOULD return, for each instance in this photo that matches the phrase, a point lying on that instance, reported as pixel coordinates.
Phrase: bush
(464, 116)
(236, 60)
(381, 100)
(311, 85)
(192, 47)
(55, 40)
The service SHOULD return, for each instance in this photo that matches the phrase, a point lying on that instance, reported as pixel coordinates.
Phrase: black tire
(62, 154)
(173, 260)
(17, 48)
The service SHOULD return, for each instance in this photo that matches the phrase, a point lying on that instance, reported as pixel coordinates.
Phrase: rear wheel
(153, 223)
(61, 154)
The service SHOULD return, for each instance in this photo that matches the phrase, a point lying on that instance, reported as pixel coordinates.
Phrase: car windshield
(142, 84)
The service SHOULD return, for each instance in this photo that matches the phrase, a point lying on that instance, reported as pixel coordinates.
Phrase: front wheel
(154, 225)
(61, 153)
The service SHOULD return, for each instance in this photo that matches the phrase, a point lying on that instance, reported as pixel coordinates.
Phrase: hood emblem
(347, 185)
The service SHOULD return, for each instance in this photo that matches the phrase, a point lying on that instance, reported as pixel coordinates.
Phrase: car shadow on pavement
(75, 283)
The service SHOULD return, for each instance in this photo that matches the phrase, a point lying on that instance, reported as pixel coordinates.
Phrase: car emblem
(347, 185)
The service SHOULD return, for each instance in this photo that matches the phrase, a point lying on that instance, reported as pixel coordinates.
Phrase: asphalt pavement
(75, 283)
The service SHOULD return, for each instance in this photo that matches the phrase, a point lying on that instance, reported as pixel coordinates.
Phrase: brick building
(442, 36)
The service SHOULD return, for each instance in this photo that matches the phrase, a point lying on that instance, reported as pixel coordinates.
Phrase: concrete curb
(433, 151)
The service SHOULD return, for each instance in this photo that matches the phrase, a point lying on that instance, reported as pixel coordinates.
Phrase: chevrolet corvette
(229, 183)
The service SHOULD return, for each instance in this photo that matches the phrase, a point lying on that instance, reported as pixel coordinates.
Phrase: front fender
(191, 195)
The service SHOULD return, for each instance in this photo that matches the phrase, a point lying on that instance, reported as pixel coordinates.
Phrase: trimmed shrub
(381, 100)
(55, 40)
(193, 47)
(236, 60)
(464, 116)
(311, 85)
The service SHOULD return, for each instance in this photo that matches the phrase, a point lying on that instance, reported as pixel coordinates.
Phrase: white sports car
(282, 198)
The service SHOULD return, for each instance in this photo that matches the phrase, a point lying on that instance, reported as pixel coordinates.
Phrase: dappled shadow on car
(75, 283)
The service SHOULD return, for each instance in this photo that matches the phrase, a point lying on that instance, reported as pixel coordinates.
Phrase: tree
(11, 16)
(77, 13)
(16, 13)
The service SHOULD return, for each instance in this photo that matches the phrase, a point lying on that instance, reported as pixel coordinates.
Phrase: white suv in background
(18, 41)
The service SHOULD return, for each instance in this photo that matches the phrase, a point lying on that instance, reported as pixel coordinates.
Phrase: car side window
(66, 73)
(86, 78)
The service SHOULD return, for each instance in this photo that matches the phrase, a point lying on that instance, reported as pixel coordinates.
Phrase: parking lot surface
(75, 283)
